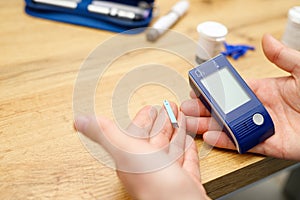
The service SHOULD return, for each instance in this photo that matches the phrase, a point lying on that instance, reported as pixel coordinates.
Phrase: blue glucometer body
(231, 102)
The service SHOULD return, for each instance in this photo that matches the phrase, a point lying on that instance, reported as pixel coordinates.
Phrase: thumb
(282, 56)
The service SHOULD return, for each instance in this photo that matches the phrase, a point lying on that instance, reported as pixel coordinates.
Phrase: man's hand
(154, 160)
(280, 96)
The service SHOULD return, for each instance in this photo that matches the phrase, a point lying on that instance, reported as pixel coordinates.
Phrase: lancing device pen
(167, 21)
(61, 3)
(171, 114)
(118, 10)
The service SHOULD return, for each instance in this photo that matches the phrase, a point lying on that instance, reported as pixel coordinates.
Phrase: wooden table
(41, 155)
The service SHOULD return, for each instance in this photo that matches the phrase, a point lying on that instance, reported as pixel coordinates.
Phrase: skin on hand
(280, 96)
(154, 160)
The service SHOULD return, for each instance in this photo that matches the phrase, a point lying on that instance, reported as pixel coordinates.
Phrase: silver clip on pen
(167, 21)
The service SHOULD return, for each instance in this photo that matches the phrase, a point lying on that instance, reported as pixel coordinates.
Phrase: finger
(201, 125)
(193, 95)
(221, 140)
(102, 131)
(191, 160)
(282, 56)
(198, 125)
(191, 163)
(177, 143)
(162, 129)
(218, 139)
(194, 107)
(142, 123)
(260, 149)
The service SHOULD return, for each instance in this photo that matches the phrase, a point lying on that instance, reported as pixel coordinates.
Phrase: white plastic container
(211, 37)
(291, 36)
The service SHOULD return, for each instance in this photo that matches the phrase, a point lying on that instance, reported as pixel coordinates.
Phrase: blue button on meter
(231, 102)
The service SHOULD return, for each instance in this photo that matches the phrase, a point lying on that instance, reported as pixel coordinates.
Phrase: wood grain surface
(41, 155)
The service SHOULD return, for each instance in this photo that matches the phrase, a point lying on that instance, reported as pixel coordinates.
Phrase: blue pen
(171, 114)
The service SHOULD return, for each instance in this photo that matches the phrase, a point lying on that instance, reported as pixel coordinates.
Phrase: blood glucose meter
(231, 102)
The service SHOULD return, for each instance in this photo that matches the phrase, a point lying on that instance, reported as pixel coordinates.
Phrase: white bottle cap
(212, 30)
(294, 14)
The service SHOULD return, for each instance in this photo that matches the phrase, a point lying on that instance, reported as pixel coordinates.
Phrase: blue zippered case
(79, 12)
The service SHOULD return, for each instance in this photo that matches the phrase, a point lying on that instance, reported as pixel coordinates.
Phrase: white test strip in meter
(171, 114)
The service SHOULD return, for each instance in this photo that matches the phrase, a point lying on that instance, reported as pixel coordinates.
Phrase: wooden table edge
(245, 176)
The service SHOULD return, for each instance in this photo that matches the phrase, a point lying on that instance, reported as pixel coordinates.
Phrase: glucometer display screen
(225, 90)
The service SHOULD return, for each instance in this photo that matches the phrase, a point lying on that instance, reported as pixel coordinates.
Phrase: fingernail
(81, 122)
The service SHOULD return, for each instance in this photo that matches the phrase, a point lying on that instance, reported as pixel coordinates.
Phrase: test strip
(171, 114)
